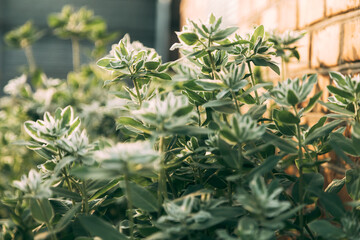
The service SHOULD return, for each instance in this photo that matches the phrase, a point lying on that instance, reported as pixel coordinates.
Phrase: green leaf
(353, 183)
(340, 153)
(188, 38)
(261, 61)
(312, 102)
(152, 65)
(221, 105)
(322, 131)
(63, 192)
(336, 108)
(99, 228)
(130, 122)
(332, 204)
(41, 210)
(162, 75)
(104, 189)
(326, 230)
(341, 93)
(265, 167)
(210, 85)
(256, 87)
(104, 62)
(257, 111)
(283, 144)
(222, 34)
(190, 130)
(183, 111)
(344, 143)
(195, 97)
(259, 32)
(65, 220)
(229, 136)
(338, 78)
(95, 173)
(66, 115)
(292, 98)
(74, 125)
(335, 186)
(142, 198)
(287, 117)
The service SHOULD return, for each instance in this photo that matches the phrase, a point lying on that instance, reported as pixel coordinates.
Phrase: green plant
(78, 25)
(23, 37)
(285, 48)
(200, 155)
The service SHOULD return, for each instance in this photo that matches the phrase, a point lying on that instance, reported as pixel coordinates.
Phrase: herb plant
(199, 154)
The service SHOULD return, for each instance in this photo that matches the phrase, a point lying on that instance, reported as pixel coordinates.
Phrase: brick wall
(333, 27)
(332, 42)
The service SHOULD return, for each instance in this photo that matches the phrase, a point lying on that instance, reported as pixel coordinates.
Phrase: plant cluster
(201, 155)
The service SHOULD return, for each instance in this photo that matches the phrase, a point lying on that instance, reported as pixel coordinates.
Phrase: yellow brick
(323, 82)
(269, 18)
(351, 46)
(325, 46)
(310, 11)
(334, 7)
(303, 48)
(287, 15)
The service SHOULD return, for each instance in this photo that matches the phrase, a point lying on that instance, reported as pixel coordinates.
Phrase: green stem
(253, 83)
(68, 183)
(293, 203)
(30, 58)
(212, 62)
(235, 100)
(130, 207)
(162, 191)
(199, 115)
(47, 222)
(75, 53)
(301, 178)
(137, 90)
(213, 67)
(356, 106)
(229, 192)
(283, 70)
(85, 198)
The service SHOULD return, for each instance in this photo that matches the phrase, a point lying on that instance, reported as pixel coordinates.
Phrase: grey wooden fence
(53, 55)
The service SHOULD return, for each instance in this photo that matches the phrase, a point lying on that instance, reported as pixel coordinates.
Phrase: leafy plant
(197, 153)
(286, 48)
(23, 37)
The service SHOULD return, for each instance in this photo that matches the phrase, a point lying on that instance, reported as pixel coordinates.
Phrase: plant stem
(356, 106)
(162, 191)
(137, 90)
(253, 83)
(85, 197)
(47, 222)
(212, 62)
(235, 100)
(301, 178)
(129, 201)
(213, 68)
(68, 183)
(30, 58)
(294, 204)
(75, 53)
(283, 69)
(199, 115)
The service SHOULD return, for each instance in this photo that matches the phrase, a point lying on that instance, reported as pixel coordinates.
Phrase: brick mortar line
(324, 71)
(326, 21)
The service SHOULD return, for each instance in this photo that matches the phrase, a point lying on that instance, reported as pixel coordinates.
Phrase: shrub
(201, 155)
